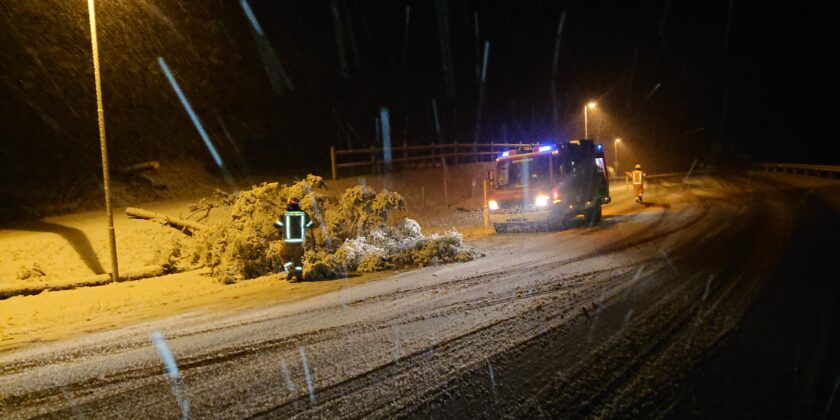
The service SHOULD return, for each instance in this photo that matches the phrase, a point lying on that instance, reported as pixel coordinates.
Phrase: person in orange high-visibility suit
(638, 178)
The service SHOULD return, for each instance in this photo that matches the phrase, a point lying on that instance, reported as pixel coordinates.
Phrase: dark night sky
(763, 93)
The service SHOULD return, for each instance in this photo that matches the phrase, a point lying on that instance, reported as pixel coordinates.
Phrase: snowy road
(655, 311)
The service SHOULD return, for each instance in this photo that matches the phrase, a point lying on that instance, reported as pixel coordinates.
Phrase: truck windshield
(523, 172)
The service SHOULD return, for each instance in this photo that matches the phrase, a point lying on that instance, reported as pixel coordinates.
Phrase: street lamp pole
(586, 109)
(100, 113)
(616, 155)
(585, 122)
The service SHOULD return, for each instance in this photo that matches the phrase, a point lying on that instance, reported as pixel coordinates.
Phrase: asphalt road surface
(716, 299)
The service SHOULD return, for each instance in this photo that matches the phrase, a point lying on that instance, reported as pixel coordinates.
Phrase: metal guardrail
(625, 177)
(825, 171)
(447, 153)
(668, 175)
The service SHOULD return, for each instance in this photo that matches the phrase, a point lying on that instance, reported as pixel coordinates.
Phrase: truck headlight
(493, 205)
(541, 201)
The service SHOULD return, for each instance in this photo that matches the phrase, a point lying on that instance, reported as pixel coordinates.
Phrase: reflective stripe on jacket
(294, 225)
(637, 176)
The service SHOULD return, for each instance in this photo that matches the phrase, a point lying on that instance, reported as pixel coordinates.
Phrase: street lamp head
(618, 140)
(591, 105)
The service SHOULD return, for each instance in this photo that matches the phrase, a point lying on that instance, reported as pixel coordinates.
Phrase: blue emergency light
(505, 154)
(599, 146)
(545, 148)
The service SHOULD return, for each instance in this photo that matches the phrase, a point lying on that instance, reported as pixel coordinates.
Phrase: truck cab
(548, 185)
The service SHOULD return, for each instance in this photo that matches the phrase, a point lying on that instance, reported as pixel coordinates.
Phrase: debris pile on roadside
(35, 272)
(388, 247)
(355, 232)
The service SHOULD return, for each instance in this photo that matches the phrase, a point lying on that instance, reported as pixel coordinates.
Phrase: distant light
(599, 147)
(541, 201)
(250, 14)
(506, 154)
(545, 148)
(618, 140)
(592, 105)
(493, 205)
(192, 114)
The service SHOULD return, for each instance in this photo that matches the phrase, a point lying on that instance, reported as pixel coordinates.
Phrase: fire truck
(548, 185)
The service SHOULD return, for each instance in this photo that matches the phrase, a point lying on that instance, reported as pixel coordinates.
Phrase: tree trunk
(186, 226)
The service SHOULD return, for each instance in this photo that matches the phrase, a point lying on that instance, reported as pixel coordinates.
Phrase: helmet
(294, 200)
(638, 166)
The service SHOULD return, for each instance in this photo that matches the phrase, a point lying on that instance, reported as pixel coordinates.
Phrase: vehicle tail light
(555, 196)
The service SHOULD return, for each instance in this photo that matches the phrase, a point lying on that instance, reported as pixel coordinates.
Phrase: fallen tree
(353, 232)
(139, 167)
(186, 226)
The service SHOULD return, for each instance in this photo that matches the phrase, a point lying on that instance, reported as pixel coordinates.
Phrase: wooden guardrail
(825, 171)
(373, 158)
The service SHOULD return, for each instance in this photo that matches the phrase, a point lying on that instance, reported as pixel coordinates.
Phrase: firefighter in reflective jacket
(293, 225)
(638, 178)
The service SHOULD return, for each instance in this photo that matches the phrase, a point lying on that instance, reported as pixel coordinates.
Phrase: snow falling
(472, 246)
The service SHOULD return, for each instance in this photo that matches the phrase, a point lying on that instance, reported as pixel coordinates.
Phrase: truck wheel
(500, 227)
(593, 215)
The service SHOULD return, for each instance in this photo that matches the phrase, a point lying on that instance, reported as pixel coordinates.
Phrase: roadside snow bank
(352, 233)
